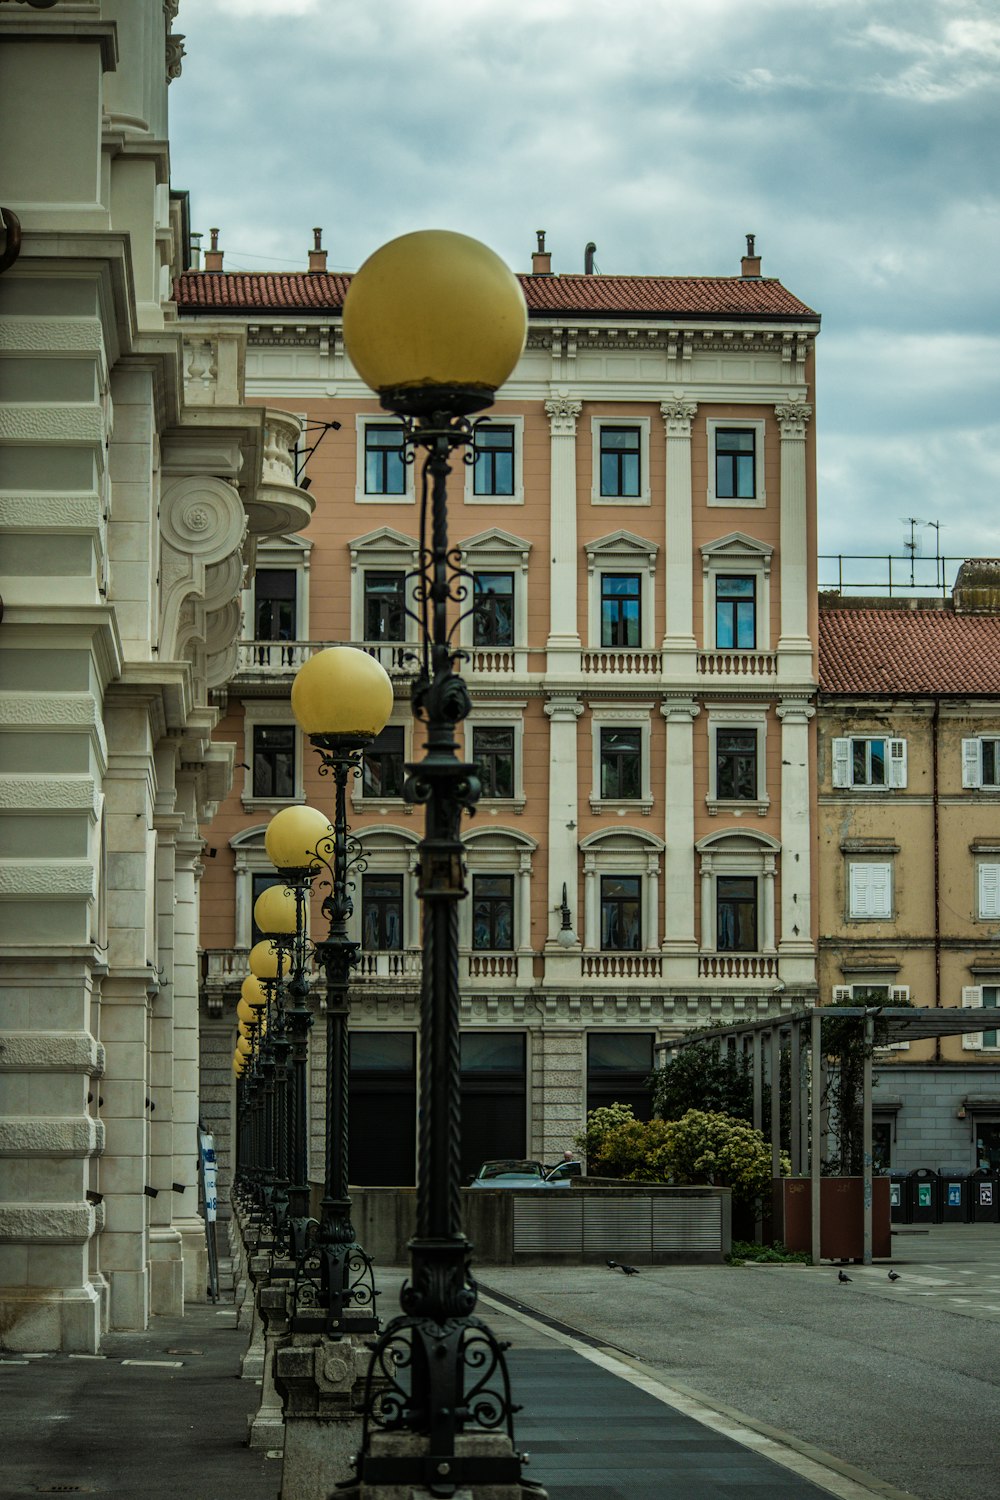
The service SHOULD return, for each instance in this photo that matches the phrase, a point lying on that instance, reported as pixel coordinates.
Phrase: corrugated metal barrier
(592, 1225)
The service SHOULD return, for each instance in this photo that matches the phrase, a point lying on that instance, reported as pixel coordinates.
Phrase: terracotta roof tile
(563, 296)
(870, 650)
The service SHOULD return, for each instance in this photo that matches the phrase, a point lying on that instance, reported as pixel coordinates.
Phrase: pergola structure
(803, 1033)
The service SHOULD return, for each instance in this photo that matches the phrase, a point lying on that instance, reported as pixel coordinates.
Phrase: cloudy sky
(858, 139)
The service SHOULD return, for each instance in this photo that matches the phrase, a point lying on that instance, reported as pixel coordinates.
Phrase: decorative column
(679, 939)
(679, 642)
(591, 915)
(563, 644)
(795, 946)
(187, 1219)
(563, 710)
(767, 925)
(524, 944)
(707, 906)
(795, 649)
(166, 1266)
(652, 912)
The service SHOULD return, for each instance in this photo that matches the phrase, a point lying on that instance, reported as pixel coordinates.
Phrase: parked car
(508, 1172)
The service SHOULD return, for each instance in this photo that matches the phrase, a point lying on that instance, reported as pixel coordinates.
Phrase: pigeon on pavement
(893, 1275)
(614, 1265)
(842, 1276)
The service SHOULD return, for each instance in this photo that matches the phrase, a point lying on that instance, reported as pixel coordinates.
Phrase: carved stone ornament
(793, 416)
(175, 51)
(562, 412)
(678, 414)
(204, 517)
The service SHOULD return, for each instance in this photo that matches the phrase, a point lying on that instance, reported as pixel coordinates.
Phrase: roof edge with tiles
(599, 297)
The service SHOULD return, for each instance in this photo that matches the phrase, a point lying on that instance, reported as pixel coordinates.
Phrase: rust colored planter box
(842, 1230)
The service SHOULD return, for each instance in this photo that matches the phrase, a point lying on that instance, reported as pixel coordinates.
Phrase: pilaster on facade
(680, 943)
(797, 947)
(795, 646)
(563, 645)
(563, 710)
(679, 646)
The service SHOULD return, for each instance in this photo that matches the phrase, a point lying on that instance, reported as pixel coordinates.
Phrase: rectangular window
(381, 913)
(621, 914)
(735, 613)
(736, 765)
(493, 612)
(736, 914)
(869, 887)
(981, 763)
(493, 470)
(493, 913)
(385, 471)
(384, 616)
(989, 891)
(735, 463)
(621, 609)
(620, 462)
(493, 753)
(621, 764)
(382, 774)
(618, 1069)
(869, 762)
(991, 998)
(274, 760)
(274, 604)
(991, 762)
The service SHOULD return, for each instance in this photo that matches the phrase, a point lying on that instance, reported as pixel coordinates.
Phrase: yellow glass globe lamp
(435, 321)
(253, 992)
(243, 1027)
(239, 1064)
(274, 911)
(342, 695)
(243, 1046)
(293, 837)
(266, 960)
(245, 1012)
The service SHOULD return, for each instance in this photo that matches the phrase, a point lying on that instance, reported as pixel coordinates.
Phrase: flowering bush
(599, 1123)
(698, 1148)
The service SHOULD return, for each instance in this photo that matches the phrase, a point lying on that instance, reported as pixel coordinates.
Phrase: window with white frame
(988, 890)
(737, 773)
(276, 601)
(495, 743)
(383, 767)
(383, 474)
(382, 579)
(976, 996)
(872, 762)
(874, 993)
(620, 741)
(736, 597)
(498, 917)
(737, 892)
(621, 572)
(621, 461)
(254, 872)
(386, 916)
(272, 754)
(735, 462)
(621, 886)
(496, 474)
(869, 890)
(497, 621)
(981, 763)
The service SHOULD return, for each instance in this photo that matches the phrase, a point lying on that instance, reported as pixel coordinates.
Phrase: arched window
(621, 872)
(495, 920)
(737, 903)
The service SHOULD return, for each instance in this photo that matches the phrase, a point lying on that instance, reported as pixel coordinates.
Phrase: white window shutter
(842, 994)
(989, 891)
(899, 994)
(972, 762)
(841, 762)
(896, 751)
(880, 889)
(972, 996)
(859, 891)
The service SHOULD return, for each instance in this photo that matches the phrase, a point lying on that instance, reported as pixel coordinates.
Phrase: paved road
(898, 1379)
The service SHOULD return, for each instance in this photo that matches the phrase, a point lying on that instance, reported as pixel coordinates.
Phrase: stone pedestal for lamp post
(321, 1380)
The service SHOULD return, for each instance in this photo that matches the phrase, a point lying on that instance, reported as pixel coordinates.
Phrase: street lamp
(435, 322)
(341, 699)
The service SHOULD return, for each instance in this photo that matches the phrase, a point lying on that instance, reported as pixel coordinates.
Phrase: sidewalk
(163, 1415)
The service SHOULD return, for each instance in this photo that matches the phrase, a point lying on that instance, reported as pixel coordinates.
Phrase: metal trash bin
(900, 1207)
(983, 1186)
(955, 1197)
(925, 1200)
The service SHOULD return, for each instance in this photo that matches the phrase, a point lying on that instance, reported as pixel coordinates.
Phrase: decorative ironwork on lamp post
(435, 322)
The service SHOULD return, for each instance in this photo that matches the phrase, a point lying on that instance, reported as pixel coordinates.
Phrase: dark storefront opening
(383, 1108)
(494, 1104)
(618, 1065)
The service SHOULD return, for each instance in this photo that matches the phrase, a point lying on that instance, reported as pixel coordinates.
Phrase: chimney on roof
(213, 256)
(541, 259)
(976, 590)
(317, 255)
(195, 250)
(750, 264)
(589, 251)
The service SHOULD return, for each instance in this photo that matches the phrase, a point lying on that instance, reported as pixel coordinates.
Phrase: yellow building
(909, 849)
(638, 522)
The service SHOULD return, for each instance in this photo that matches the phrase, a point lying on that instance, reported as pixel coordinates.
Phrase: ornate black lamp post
(342, 699)
(435, 322)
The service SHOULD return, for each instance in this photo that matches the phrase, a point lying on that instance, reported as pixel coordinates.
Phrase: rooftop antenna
(913, 545)
(939, 573)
